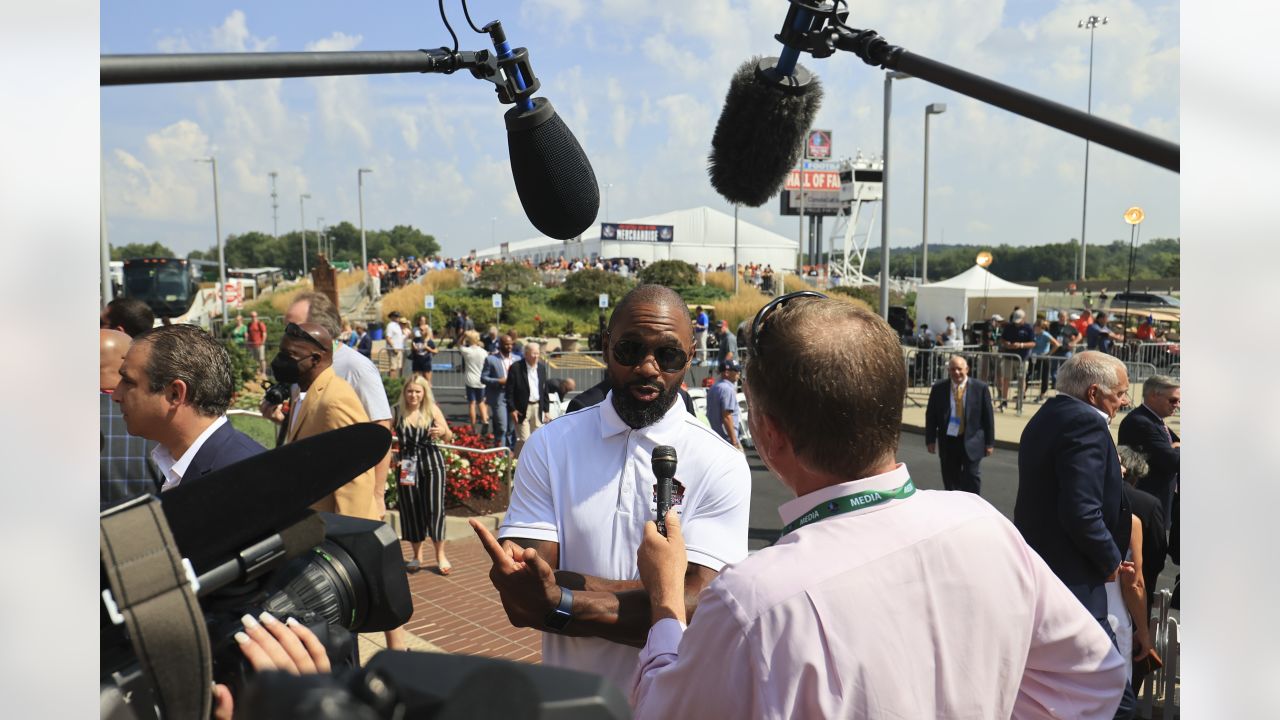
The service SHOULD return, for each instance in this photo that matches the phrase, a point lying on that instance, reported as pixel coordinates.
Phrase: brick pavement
(460, 613)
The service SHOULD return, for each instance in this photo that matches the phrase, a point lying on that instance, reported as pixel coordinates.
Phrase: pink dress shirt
(931, 606)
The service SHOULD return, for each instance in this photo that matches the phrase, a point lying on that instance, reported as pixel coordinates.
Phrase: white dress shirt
(173, 470)
(535, 388)
(586, 482)
(930, 606)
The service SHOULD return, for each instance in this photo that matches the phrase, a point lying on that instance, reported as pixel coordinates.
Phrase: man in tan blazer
(326, 402)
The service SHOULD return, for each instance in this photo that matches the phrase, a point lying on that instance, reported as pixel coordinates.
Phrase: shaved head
(658, 295)
(319, 332)
(112, 345)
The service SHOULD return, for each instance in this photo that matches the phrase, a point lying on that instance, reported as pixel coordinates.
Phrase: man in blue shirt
(1099, 336)
(700, 326)
(722, 403)
(1017, 338)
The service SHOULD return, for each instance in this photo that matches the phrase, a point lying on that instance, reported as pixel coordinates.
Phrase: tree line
(258, 249)
(1153, 259)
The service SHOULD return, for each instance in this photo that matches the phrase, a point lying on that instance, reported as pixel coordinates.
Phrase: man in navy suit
(1144, 430)
(175, 387)
(1071, 507)
(494, 378)
(959, 425)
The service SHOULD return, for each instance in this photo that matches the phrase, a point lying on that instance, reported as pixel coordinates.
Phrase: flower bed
(473, 480)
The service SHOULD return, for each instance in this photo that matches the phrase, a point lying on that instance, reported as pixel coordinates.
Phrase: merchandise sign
(637, 233)
(818, 146)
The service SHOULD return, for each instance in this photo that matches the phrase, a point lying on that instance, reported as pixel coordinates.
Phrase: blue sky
(641, 85)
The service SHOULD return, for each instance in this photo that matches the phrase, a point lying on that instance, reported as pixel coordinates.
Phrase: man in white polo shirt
(585, 487)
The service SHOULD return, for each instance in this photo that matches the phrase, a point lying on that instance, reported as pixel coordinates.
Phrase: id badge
(953, 426)
(409, 472)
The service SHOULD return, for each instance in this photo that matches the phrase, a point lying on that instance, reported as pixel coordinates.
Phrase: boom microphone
(767, 111)
(664, 467)
(553, 177)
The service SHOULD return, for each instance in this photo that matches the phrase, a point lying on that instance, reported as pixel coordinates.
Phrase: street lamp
(364, 251)
(217, 228)
(932, 109)
(1090, 23)
(889, 77)
(303, 213)
(1134, 216)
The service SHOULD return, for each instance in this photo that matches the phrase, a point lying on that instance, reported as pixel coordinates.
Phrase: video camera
(180, 571)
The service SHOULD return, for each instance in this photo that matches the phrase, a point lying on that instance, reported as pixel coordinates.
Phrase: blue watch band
(559, 618)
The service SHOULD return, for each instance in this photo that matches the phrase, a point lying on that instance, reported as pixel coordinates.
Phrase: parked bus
(255, 281)
(171, 288)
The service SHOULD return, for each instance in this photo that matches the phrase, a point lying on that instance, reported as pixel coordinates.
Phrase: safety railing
(1005, 373)
(1161, 686)
(1161, 355)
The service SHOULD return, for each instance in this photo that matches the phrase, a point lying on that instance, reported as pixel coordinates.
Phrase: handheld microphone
(554, 179)
(664, 467)
(769, 107)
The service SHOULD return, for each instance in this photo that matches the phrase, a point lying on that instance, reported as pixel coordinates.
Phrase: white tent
(701, 235)
(972, 296)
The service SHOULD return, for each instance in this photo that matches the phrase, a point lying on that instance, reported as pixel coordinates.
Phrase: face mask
(285, 369)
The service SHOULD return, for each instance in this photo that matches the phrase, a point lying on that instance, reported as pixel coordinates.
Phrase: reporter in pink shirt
(880, 600)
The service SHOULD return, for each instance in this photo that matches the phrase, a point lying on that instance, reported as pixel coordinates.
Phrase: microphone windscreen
(664, 461)
(553, 177)
(302, 536)
(761, 130)
(217, 515)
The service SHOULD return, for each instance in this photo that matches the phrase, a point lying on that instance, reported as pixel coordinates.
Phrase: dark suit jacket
(1141, 430)
(517, 388)
(1155, 544)
(979, 418)
(226, 446)
(1071, 507)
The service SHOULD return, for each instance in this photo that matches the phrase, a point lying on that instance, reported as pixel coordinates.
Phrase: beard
(639, 414)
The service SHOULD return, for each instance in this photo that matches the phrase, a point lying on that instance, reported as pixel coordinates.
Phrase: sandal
(444, 569)
(412, 566)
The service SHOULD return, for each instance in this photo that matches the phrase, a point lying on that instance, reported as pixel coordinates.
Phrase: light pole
(217, 228)
(889, 77)
(607, 188)
(275, 206)
(931, 109)
(303, 213)
(1134, 216)
(364, 251)
(1090, 23)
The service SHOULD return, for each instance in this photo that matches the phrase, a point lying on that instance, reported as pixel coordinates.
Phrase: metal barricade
(1139, 372)
(1176, 370)
(1005, 373)
(1162, 355)
(584, 368)
(1160, 687)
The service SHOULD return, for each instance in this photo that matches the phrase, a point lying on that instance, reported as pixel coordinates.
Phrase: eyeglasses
(757, 325)
(293, 330)
(631, 353)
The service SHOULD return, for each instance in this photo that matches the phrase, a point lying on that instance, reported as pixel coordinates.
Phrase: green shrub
(866, 293)
(672, 273)
(585, 286)
(507, 277)
(243, 367)
(702, 294)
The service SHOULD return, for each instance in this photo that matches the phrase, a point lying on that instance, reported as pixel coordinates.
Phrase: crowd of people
(1044, 616)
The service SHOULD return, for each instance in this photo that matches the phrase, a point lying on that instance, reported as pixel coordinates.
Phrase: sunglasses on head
(757, 325)
(293, 330)
(670, 358)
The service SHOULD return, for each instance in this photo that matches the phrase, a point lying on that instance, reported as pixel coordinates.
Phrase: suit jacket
(517, 388)
(1071, 506)
(491, 376)
(979, 418)
(1143, 430)
(330, 404)
(226, 446)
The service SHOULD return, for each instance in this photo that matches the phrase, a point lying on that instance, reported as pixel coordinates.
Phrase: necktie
(960, 407)
(1167, 435)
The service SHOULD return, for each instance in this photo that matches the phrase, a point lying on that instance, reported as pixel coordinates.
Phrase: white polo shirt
(586, 482)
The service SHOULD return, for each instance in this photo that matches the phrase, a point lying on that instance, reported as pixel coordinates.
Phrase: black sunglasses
(294, 331)
(757, 325)
(632, 353)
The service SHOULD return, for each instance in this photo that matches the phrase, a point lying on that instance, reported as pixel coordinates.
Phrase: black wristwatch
(558, 619)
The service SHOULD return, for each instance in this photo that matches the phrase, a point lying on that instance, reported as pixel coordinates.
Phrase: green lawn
(256, 427)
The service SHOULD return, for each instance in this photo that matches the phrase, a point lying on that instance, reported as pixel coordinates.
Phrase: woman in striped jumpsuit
(419, 425)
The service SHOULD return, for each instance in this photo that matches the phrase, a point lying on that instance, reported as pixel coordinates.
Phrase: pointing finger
(491, 546)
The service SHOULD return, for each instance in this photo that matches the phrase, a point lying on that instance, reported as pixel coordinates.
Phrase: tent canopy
(972, 296)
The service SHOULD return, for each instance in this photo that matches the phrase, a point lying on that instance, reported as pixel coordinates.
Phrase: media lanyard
(850, 503)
